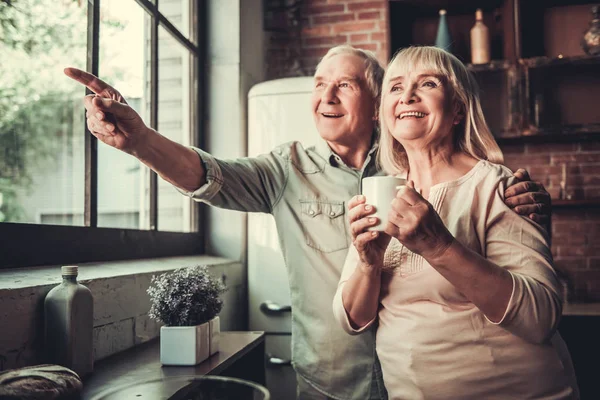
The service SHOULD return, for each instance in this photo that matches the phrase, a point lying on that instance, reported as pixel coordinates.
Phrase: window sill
(32, 277)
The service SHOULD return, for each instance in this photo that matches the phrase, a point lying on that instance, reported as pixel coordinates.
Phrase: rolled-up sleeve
(252, 184)
(522, 247)
(214, 178)
(339, 311)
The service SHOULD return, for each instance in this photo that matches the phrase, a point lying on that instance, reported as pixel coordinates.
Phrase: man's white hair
(373, 69)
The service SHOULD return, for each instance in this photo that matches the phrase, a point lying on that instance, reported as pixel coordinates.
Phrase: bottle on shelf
(69, 323)
(480, 40)
(443, 39)
(591, 38)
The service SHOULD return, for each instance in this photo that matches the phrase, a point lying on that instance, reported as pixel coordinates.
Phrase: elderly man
(306, 191)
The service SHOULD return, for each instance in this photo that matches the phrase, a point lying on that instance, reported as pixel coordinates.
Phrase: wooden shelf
(240, 352)
(493, 66)
(545, 62)
(555, 134)
(587, 203)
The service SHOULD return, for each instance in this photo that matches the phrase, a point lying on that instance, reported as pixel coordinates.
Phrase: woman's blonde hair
(471, 136)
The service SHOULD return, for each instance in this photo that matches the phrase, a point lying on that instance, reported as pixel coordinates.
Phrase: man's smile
(332, 115)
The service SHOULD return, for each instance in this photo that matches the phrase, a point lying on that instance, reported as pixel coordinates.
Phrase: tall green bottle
(443, 39)
(69, 324)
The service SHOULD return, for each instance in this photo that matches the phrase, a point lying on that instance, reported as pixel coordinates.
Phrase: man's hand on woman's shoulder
(529, 198)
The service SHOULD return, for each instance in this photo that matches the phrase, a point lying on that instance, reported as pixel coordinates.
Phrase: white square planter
(214, 331)
(184, 345)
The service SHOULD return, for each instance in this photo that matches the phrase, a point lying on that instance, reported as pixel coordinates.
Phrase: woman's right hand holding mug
(370, 244)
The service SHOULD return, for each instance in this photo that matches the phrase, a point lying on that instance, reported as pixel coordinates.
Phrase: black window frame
(26, 245)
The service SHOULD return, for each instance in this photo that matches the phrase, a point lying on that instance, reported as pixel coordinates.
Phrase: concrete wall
(235, 64)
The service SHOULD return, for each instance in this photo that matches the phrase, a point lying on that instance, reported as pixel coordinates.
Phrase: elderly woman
(463, 289)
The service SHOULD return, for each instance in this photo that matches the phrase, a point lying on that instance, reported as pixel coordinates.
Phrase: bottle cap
(442, 12)
(69, 270)
(478, 14)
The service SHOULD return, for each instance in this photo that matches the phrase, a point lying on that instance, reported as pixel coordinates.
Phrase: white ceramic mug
(379, 191)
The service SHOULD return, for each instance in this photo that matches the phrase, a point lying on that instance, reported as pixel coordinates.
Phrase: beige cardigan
(433, 343)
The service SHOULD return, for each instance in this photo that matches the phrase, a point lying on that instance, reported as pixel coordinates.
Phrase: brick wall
(297, 37)
(575, 230)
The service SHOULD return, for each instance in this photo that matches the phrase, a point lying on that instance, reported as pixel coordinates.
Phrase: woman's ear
(458, 119)
(459, 113)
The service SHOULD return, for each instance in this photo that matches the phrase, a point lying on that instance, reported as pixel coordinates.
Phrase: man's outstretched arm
(114, 122)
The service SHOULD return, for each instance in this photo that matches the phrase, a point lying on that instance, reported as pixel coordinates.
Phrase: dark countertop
(142, 363)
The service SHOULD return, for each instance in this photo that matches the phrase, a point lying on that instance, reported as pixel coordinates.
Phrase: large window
(64, 196)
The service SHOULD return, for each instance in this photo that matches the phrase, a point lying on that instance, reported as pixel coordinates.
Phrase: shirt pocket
(324, 225)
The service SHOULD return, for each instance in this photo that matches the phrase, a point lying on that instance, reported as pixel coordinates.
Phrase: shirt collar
(323, 149)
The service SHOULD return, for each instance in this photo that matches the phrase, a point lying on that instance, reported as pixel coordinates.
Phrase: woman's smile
(411, 115)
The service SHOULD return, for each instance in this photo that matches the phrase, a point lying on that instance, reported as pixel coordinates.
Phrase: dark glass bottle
(443, 39)
(69, 323)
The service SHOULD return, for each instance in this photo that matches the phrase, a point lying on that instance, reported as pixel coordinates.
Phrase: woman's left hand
(414, 222)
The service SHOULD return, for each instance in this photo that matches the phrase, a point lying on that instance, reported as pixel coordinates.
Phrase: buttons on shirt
(311, 212)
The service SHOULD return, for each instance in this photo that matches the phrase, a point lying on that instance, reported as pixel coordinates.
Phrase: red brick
(580, 158)
(326, 41)
(369, 15)
(332, 19)
(353, 27)
(590, 169)
(591, 180)
(322, 30)
(379, 37)
(590, 146)
(592, 193)
(539, 170)
(362, 37)
(366, 46)
(367, 5)
(569, 225)
(570, 264)
(324, 9)
(570, 251)
(526, 160)
(552, 148)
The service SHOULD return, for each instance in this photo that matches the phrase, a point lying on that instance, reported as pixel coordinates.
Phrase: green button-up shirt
(306, 191)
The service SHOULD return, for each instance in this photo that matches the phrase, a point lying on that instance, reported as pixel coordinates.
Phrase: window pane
(41, 113)
(179, 13)
(174, 105)
(123, 183)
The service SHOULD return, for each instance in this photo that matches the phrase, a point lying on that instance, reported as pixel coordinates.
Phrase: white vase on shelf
(189, 345)
(214, 332)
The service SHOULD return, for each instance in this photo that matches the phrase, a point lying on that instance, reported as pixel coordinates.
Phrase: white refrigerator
(278, 112)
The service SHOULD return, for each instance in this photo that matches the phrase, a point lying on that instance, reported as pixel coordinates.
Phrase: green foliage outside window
(38, 104)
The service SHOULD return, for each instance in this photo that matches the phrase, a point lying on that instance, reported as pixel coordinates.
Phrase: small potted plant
(187, 301)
